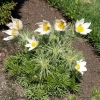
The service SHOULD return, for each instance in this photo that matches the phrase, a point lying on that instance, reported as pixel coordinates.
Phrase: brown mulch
(31, 12)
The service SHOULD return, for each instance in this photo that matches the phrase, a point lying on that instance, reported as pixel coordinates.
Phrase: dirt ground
(31, 12)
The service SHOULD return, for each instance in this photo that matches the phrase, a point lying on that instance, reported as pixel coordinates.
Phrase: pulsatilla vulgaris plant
(47, 66)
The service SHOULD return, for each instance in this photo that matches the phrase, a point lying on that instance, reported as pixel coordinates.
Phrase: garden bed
(31, 12)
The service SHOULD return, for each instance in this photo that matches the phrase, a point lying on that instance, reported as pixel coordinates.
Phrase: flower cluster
(14, 27)
(45, 28)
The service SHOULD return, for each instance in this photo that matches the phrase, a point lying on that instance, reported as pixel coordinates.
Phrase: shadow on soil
(16, 12)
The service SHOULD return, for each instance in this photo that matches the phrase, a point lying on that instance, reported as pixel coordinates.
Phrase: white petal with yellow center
(77, 67)
(44, 27)
(18, 24)
(60, 25)
(13, 33)
(82, 27)
(32, 43)
(80, 66)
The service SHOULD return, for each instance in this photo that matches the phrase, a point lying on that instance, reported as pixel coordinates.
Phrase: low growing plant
(5, 10)
(95, 93)
(49, 67)
(71, 97)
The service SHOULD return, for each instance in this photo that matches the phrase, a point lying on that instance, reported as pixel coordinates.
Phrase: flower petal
(83, 69)
(82, 63)
(30, 48)
(29, 40)
(9, 32)
(38, 30)
(86, 25)
(10, 25)
(8, 38)
(86, 31)
(79, 22)
(79, 61)
(39, 23)
(28, 45)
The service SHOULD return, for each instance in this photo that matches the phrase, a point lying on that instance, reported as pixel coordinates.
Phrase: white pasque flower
(80, 66)
(12, 34)
(32, 43)
(82, 27)
(44, 27)
(16, 23)
(60, 25)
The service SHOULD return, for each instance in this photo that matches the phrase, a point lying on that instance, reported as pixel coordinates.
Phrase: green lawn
(78, 9)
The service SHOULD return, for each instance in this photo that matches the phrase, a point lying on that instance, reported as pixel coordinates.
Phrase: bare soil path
(31, 12)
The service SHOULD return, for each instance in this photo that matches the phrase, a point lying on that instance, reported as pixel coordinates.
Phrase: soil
(31, 12)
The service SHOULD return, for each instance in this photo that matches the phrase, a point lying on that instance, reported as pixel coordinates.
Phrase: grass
(78, 9)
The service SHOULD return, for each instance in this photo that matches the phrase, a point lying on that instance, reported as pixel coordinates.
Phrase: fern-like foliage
(6, 6)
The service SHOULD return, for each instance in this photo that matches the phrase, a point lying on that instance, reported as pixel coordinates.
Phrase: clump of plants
(95, 93)
(47, 65)
(5, 10)
(71, 97)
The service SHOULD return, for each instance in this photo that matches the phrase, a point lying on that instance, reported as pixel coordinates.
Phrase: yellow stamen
(45, 26)
(13, 32)
(34, 44)
(61, 24)
(35, 76)
(77, 66)
(80, 28)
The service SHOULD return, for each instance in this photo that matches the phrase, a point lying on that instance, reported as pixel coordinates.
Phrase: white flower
(44, 27)
(80, 66)
(12, 34)
(82, 27)
(16, 23)
(32, 43)
(60, 25)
